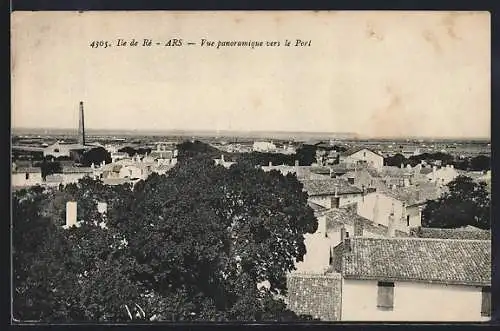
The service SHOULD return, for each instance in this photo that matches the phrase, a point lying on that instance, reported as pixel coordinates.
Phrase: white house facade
(415, 279)
(364, 156)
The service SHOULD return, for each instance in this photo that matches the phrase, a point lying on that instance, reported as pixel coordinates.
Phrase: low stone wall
(318, 295)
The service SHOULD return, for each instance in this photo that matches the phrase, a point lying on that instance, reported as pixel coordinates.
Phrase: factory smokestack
(81, 126)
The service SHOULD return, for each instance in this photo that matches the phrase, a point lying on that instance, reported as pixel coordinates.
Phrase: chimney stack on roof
(71, 213)
(391, 224)
(347, 242)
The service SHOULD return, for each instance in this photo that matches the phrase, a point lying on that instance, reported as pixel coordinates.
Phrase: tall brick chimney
(81, 126)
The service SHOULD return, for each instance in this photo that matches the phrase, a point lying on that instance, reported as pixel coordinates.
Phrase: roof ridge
(420, 238)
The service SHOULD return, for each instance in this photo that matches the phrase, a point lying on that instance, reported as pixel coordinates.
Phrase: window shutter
(385, 298)
(486, 302)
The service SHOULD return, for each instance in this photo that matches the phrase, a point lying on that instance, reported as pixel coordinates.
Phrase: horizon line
(215, 131)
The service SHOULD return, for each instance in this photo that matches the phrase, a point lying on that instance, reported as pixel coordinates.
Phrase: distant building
(115, 156)
(74, 174)
(409, 152)
(223, 162)
(363, 156)
(443, 175)
(410, 279)
(263, 146)
(26, 177)
(397, 211)
(332, 192)
(67, 150)
(361, 178)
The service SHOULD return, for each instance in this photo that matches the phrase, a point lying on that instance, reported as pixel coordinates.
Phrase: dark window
(56, 150)
(486, 302)
(364, 154)
(335, 202)
(27, 176)
(350, 180)
(385, 297)
(407, 220)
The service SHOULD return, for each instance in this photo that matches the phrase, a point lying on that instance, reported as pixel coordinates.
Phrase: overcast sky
(372, 73)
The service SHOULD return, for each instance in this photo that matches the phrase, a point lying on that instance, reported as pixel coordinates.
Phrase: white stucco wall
(368, 156)
(346, 199)
(317, 257)
(443, 176)
(380, 215)
(412, 302)
(129, 171)
(19, 179)
(415, 214)
(335, 235)
(74, 177)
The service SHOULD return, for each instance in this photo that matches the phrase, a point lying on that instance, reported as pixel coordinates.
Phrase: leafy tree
(339, 148)
(49, 168)
(192, 245)
(480, 163)
(306, 154)
(213, 232)
(95, 155)
(466, 203)
(263, 159)
(395, 160)
(188, 149)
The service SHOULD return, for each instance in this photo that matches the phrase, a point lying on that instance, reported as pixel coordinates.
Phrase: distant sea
(189, 133)
(282, 135)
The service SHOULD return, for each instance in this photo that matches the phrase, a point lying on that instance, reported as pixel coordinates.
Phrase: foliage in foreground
(466, 203)
(193, 245)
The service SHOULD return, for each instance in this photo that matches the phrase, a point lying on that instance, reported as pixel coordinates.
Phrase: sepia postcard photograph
(250, 166)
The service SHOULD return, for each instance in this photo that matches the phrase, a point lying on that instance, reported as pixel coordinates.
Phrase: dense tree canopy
(49, 167)
(466, 203)
(395, 160)
(95, 155)
(192, 245)
(188, 149)
(476, 163)
(263, 159)
(306, 154)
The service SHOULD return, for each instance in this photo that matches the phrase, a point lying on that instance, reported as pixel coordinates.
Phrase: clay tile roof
(76, 170)
(317, 295)
(357, 149)
(413, 195)
(425, 171)
(115, 181)
(460, 233)
(466, 262)
(339, 216)
(30, 170)
(391, 171)
(327, 187)
(54, 178)
(316, 207)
